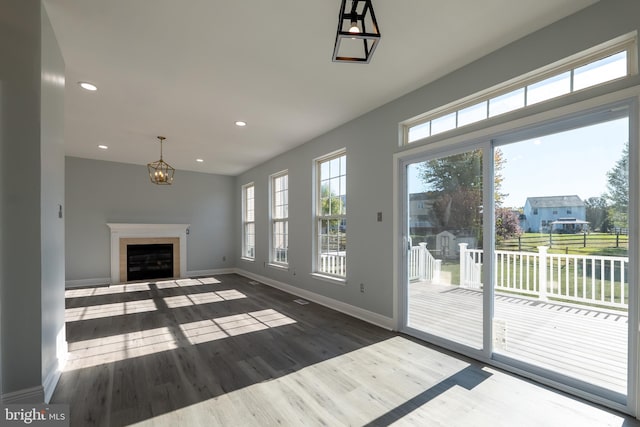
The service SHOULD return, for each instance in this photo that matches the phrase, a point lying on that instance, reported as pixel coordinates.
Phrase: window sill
(330, 279)
(278, 266)
(247, 259)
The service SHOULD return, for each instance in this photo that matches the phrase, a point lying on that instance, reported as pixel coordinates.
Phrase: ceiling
(189, 69)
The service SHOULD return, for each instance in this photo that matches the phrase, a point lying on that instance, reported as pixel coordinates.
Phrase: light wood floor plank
(227, 353)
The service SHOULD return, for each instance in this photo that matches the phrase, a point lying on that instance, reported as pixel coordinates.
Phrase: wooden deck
(585, 343)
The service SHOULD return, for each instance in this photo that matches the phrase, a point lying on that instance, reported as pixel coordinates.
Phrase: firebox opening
(149, 261)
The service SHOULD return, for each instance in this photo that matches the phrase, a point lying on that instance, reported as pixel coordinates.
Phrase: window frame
(247, 221)
(318, 217)
(274, 218)
(625, 43)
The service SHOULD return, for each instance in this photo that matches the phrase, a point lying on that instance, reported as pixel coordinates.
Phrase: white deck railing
(422, 265)
(470, 267)
(590, 279)
(335, 263)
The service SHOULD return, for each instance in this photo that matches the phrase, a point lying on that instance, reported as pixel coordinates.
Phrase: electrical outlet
(224, 258)
(362, 287)
(379, 216)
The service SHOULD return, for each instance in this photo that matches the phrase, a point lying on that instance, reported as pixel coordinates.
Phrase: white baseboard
(351, 310)
(28, 395)
(197, 273)
(51, 380)
(100, 281)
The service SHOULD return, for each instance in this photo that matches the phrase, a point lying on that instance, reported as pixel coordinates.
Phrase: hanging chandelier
(161, 172)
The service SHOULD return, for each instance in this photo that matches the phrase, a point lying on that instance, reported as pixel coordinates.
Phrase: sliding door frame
(558, 111)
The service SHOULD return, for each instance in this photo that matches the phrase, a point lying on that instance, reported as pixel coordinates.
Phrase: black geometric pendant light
(358, 32)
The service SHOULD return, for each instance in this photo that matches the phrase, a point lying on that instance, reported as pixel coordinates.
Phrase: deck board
(589, 344)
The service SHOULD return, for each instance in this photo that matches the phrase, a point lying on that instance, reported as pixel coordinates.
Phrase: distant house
(420, 207)
(565, 214)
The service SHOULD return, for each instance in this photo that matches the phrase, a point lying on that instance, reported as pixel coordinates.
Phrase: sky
(566, 163)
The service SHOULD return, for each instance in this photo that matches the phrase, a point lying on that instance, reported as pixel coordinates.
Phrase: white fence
(470, 267)
(587, 279)
(590, 279)
(335, 263)
(422, 265)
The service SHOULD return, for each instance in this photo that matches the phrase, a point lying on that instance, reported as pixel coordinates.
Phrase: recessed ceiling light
(102, 147)
(199, 160)
(241, 123)
(88, 86)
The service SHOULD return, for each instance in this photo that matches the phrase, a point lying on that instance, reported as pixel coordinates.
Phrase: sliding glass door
(445, 247)
(545, 285)
(561, 262)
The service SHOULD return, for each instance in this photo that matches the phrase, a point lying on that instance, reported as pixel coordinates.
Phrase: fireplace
(158, 239)
(150, 261)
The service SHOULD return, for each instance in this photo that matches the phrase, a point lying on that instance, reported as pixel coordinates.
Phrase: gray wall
(372, 139)
(20, 77)
(203, 200)
(52, 199)
(31, 238)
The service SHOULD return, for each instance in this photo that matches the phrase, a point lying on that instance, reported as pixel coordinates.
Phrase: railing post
(542, 273)
(422, 261)
(463, 263)
(436, 271)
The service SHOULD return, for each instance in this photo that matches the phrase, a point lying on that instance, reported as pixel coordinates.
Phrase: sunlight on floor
(108, 310)
(138, 287)
(346, 379)
(202, 298)
(93, 352)
(222, 327)
(393, 382)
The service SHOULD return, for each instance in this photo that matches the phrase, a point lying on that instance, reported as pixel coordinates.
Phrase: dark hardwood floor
(223, 351)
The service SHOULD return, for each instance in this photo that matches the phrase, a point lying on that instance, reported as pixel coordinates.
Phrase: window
(535, 211)
(569, 211)
(248, 220)
(280, 219)
(331, 218)
(599, 65)
(555, 212)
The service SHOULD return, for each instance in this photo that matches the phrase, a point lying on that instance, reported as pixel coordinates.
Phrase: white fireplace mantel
(122, 230)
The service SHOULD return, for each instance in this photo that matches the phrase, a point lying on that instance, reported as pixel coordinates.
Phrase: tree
(332, 206)
(597, 214)
(618, 190)
(456, 182)
(330, 203)
(507, 224)
(458, 209)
